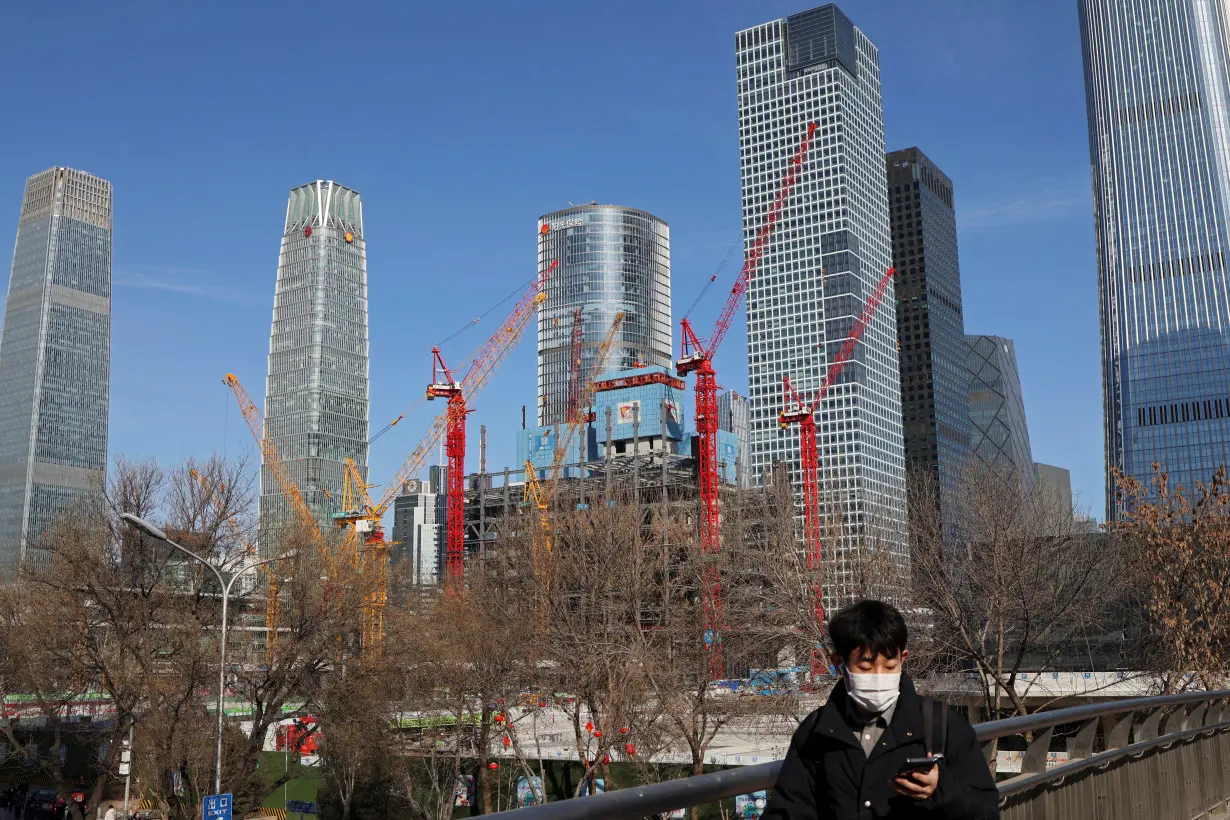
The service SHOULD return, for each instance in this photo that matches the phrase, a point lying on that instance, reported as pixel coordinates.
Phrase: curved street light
(225, 581)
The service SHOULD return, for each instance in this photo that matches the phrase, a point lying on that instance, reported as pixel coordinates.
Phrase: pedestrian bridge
(1161, 758)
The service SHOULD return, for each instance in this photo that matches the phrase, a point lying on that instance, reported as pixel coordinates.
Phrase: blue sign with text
(216, 807)
(301, 806)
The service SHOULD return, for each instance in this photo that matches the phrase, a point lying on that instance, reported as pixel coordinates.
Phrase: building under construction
(632, 447)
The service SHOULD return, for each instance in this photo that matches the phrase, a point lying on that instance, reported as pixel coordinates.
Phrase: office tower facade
(733, 418)
(830, 247)
(1055, 483)
(55, 357)
(999, 434)
(930, 324)
(1157, 87)
(610, 259)
(316, 395)
(419, 529)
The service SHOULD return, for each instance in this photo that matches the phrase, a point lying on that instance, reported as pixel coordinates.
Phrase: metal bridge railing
(1164, 758)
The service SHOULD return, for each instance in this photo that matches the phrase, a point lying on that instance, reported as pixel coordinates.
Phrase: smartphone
(918, 764)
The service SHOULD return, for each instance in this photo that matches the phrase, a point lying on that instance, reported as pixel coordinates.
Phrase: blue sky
(460, 123)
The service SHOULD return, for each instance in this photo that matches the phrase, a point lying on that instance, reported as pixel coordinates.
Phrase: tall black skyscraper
(930, 327)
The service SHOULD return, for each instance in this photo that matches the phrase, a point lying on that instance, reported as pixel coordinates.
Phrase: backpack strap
(929, 708)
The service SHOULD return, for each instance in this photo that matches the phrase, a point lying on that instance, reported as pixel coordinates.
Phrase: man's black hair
(873, 626)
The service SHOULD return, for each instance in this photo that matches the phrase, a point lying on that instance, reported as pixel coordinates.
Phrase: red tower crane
(698, 358)
(802, 413)
(459, 393)
(576, 379)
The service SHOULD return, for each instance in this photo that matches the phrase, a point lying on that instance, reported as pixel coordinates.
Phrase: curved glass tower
(316, 396)
(1159, 142)
(611, 259)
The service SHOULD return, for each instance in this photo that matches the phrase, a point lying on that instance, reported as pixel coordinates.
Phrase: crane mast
(803, 414)
(575, 352)
(698, 359)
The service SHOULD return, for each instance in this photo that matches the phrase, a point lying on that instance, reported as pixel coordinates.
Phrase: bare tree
(1182, 539)
(1009, 582)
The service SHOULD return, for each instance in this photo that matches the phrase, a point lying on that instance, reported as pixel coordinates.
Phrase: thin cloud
(185, 281)
(1044, 204)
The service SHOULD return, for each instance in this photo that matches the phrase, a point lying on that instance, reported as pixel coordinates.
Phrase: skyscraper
(419, 528)
(830, 247)
(732, 417)
(999, 434)
(316, 399)
(930, 325)
(1157, 88)
(611, 259)
(55, 356)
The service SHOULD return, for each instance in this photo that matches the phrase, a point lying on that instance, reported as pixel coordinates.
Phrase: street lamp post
(225, 582)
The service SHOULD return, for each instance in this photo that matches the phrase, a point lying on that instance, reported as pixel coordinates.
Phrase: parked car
(43, 804)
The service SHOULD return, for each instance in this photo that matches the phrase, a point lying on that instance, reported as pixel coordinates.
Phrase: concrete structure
(830, 247)
(1157, 87)
(930, 324)
(733, 418)
(55, 357)
(419, 519)
(1000, 436)
(316, 399)
(611, 259)
(634, 412)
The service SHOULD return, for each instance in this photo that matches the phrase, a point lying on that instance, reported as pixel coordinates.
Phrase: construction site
(619, 438)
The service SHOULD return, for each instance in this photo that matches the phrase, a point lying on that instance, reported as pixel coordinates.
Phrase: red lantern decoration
(500, 701)
(307, 231)
(542, 704)
(630, 749)
(493, 765)
(597, 733)
(589, 727)
(623, 730)
(606, 759)
(507, 741)
(499, 718)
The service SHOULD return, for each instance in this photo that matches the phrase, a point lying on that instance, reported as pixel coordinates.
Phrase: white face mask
(874, 694)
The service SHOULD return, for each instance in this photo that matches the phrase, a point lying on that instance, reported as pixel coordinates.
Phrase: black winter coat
(827, 776)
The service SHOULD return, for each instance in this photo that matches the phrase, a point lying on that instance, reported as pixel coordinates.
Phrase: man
(111, 814)
(847, 758)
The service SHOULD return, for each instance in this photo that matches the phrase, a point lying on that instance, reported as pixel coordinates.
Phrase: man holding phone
(877, 749)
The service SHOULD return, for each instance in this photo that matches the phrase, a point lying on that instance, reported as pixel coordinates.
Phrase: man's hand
(918, 785)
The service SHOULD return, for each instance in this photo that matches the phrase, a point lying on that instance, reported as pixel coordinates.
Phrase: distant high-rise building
(1000, 436)
(930, 326)
(55, 356)
(316, 399)
(733, 417)
(419, 528)
(611, 259)
(830, 247)
(1055, 482)
(1157, 88)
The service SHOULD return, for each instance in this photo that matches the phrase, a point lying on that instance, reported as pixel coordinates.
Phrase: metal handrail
(659, 798)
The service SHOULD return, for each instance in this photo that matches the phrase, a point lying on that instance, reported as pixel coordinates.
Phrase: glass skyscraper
(55, 357)
(611, 259)
(1157, 87)
(830, 247)
(930, 325)
(1000, 436)
(316, 396)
